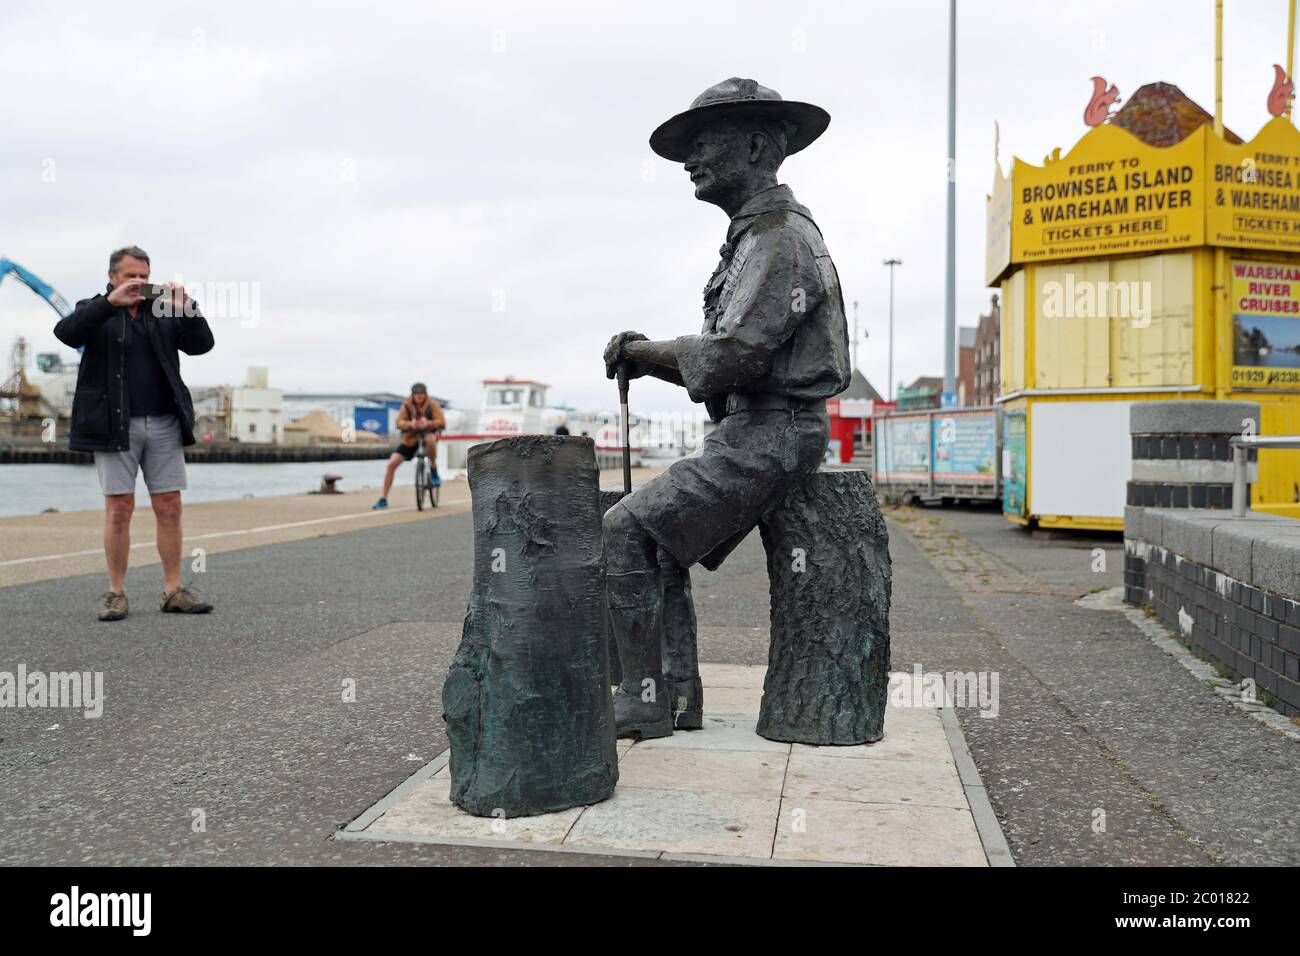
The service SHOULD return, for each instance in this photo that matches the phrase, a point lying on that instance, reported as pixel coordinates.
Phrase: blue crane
(42, 288)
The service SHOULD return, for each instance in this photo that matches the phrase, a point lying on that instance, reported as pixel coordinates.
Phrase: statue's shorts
(703, 506)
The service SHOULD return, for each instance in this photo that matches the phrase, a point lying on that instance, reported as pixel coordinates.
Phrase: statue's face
(718, 163)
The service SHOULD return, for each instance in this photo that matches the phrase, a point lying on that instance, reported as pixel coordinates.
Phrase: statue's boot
(642, 705)
(680, 649)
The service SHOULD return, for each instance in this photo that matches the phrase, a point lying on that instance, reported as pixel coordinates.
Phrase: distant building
(966, 365)
(318, 428)
(859, 387)
(925, 392)
(257, 414)
(988, 355)
(211, 413)
(340, 406)
(255, 410)
(850, 416)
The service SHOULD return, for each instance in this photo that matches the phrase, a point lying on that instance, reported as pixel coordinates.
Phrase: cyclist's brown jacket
(407, 415)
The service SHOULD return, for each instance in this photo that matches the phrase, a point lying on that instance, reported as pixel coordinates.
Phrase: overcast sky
(453, 191)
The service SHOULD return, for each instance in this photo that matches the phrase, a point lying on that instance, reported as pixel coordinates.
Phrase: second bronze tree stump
(829, 570)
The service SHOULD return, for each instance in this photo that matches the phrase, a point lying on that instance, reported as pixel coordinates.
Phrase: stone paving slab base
(724, 794)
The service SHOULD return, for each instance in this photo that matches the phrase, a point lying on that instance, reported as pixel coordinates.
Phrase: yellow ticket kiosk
(1132, 272)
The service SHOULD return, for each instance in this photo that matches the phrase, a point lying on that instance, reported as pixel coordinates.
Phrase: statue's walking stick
(625, 421)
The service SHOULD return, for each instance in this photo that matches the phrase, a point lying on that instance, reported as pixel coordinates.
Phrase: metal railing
(1242, 444)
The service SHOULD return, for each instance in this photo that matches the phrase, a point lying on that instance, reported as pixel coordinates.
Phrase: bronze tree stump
(829, 570)
(527, 699)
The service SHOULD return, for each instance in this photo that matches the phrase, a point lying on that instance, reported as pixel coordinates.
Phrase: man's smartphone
(151, 292)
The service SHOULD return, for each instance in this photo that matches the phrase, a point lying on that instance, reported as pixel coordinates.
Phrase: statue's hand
(614, 354)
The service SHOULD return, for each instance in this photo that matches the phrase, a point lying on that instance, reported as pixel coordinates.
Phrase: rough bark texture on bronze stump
(828, 563)
(527, 699)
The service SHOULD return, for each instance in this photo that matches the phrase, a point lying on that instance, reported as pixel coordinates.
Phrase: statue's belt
(759, 401)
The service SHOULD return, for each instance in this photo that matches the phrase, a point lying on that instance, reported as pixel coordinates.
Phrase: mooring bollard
(527, 699)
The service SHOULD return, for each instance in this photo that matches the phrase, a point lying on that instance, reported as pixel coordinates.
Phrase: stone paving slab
(711, 822)
(811, 776)
(733, 675)
(723, 793)
(875, 834)
(734, 701)
(427, 811)
(726, 771)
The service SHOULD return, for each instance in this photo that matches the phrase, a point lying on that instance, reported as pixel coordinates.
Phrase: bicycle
(424, 479)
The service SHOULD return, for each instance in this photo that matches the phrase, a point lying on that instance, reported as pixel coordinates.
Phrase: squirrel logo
(1279, 98)
(1098, 109)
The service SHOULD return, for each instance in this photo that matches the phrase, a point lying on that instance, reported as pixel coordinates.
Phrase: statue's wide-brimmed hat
(740, 98)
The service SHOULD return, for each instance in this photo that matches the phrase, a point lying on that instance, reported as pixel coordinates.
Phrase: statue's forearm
(659, 354)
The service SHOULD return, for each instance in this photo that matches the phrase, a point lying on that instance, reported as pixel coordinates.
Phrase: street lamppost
(950, 277)
(891, 263)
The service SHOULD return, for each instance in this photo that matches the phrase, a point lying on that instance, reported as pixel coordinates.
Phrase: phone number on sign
(1266, 377)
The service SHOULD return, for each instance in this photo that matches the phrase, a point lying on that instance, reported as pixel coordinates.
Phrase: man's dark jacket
(101, 408)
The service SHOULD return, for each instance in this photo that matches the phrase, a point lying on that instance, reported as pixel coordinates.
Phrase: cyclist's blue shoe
(436, 481)
(379, 505)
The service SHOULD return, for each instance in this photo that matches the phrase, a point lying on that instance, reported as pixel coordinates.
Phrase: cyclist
(420, 418)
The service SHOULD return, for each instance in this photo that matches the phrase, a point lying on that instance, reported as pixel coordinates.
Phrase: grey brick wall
(1227, 586)
(1250, 631)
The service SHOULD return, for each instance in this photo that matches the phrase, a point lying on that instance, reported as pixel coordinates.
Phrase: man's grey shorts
(156, 448)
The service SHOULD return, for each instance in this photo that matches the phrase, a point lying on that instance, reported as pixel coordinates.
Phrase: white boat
(512, 407)
(603, 427)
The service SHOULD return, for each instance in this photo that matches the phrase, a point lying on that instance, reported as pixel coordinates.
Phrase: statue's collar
(769, 200)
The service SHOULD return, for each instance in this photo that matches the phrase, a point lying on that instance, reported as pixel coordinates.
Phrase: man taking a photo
(419, 420)
(133, 411)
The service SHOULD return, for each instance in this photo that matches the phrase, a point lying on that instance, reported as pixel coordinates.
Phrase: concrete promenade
(227, 739)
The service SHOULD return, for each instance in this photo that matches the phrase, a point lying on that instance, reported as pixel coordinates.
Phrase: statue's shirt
(773, 310)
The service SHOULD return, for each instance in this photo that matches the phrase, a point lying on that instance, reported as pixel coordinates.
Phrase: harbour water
(31, 489)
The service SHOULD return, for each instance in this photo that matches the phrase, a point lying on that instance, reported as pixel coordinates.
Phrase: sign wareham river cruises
(1265, 324)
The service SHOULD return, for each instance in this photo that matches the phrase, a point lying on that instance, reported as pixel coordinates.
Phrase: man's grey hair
(135, 252)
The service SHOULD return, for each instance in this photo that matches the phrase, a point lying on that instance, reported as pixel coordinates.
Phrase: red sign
(502, 426)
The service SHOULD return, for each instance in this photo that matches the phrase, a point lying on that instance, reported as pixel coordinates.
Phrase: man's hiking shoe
(184, 601)
(114, 608)
(379, 505)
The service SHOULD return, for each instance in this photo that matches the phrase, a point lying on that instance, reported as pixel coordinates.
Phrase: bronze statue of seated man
(773, 348)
